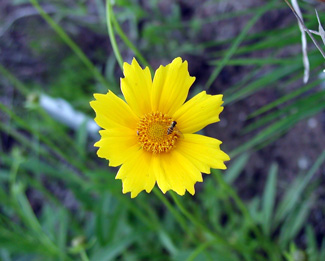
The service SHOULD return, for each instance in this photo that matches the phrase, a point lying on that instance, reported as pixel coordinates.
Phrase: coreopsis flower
(151, 134)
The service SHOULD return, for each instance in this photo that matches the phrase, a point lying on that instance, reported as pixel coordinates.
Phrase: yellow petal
(170, 86)
(172, 174)
(117, 145)
(136, 87)
(136, 173)
(198, 112)
(112, 111)
(174, 171)
(160, 174)
(204, 152)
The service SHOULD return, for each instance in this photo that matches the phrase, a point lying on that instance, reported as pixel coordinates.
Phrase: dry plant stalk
(296, 10)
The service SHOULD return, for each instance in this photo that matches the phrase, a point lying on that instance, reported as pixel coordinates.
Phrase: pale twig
(303, 41)
(62, 111)
(307, 30)
(321, 31)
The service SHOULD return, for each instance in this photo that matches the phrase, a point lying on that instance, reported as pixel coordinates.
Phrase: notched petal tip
(162, 189)
(133, 65)
(198, 112)
(191, 191)
(222, 166)
(135, 62)
(133, 194)
(97, 96)
(126, 66)
(182, 192)
(97, 144)
(176, 60)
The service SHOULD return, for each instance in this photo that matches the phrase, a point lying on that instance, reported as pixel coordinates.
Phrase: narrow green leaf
(298, 107)
(295, 222)
(287, 97)
(257, 61)
(267, 79)
(62, 236)
(312, 251)
(231, 51)
(235, 168)
(268, 199)
(74, 47)
(109, 12)
(291, 198)
(115, 249)
(81, 140)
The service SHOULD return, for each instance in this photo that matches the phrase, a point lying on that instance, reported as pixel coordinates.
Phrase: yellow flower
(151, 133)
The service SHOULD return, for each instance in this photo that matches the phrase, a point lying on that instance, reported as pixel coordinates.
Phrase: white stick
(303, 41)
(63, 112)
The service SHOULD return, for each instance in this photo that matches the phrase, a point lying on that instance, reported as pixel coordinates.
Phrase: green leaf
(268, 199)
(115, 249)
(235, 44)
(312, 251)
(236, 168)
(295, 222)
(293, 195)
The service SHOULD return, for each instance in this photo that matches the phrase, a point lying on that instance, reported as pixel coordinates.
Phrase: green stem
(218, 238)
(231, 51)
(24, 209)
(169, 206)
(200, 249)
(74, 47)
(23, 89)
(240, 204)
(16, 83)
(56, 150)
(83, 255)
(128, 42)
(109, 14)
(28, 143)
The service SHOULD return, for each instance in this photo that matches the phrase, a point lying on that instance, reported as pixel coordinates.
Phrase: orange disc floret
(153, 133)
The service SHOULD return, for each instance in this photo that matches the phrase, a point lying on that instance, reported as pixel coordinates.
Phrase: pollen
(153, 134)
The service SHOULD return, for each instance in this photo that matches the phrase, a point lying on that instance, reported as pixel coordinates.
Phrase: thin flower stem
(23, 89)
(83, 255)
(128, 42)
(24, 209)
(74, 47)
(44, 138)
(39, 149)
(15, 82)
(243, 209)
(177, 216)
(200, 249)
(64, 139)
(199, 224)
(109, 14)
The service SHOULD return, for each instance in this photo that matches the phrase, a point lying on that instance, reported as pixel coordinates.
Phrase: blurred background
(58, 201)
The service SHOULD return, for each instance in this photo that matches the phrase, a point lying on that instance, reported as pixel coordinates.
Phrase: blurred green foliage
(94, 221)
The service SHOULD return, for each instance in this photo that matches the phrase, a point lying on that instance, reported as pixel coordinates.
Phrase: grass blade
(231, 51)
(268, 199)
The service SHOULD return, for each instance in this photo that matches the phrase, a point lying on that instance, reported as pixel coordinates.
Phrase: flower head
(151, 133)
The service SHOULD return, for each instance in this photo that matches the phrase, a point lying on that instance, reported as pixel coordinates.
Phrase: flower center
(157, 132)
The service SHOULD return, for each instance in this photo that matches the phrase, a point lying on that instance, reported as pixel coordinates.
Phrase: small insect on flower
(171, 127)
(152, 134)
